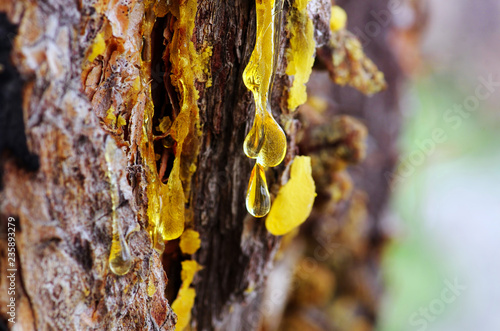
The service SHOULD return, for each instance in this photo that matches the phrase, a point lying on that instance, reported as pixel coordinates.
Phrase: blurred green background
(442, 269)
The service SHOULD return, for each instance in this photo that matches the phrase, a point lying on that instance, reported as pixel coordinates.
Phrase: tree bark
(64, 210)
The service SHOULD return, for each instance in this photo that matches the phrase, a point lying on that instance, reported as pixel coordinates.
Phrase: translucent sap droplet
(158, 243)
(266, 141)
(255, 138)
(273, 148)
(120, 259)
(258, 200)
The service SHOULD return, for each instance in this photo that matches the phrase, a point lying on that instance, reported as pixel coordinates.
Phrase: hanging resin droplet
(258, 201)
(120, 259)
(273, 148)
(266, 141)
(158, 242)
(255, 137)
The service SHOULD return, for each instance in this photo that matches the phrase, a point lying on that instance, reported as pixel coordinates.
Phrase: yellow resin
(182, 307)
(319, 104)
(266, 141)
(295, 199)
(166, 207)
(97, 48)
(350, 64)
(184, 302)
(258, 73)
(110, 118)
(190, 242)
(338, 19)
(172, 202)
(151, 288)
(155, 188)
(300, 55)
(258, 201)
(120, 260)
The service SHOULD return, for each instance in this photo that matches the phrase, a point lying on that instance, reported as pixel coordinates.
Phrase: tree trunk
(97, 80)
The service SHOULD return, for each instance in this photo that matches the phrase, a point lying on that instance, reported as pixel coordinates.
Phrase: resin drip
(258, 200)
(266, 141)
(120, 259)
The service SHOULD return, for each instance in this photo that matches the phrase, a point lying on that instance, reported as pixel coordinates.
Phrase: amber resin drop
(120, 259)
(258, 200)
(266, 141)
(273, 148)
(255, 138)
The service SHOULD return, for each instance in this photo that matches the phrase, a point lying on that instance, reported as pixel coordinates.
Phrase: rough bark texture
(63, 209)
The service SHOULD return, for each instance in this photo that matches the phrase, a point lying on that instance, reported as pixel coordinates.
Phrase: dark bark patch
(12, 134)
